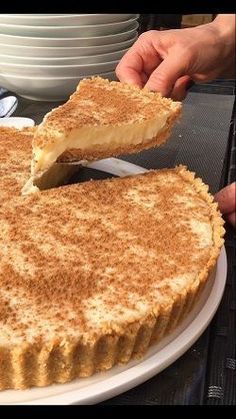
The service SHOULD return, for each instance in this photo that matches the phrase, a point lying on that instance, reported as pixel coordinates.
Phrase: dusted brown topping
(64, 247)
(16, 153)
(16, 149)
(98, 101)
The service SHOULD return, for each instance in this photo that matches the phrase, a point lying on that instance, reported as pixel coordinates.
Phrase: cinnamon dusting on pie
(93, 273)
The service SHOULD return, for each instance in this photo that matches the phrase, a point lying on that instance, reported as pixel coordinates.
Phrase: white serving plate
(68, 42)
(119, 379)
(46, 88)
(27, 70)
(68, 31)
(16, 122)
(60, 52)
(65, 19)
(89, 59)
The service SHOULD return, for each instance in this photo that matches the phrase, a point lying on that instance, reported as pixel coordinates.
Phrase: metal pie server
(110, 165)
(8, 105)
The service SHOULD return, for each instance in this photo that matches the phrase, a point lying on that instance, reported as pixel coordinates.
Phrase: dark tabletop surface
(204, 140)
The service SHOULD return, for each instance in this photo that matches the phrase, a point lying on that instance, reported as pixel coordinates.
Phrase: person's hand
(226, 199)
(167, 61)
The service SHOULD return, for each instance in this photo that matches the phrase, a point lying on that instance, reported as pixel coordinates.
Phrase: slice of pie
(92, 274)
(103, 119)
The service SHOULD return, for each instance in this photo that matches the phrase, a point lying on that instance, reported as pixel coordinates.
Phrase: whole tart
(92, 274)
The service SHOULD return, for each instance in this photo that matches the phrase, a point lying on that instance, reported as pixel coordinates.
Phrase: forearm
(224, 26)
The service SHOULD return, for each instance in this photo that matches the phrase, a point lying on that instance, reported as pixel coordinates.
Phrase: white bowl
(90, 59)
(65, 20)
(68, 42)
(57, 71)
(29, 51)
(69, 31)
(45, 88)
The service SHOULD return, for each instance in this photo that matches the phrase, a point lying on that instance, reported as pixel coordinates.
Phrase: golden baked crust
(92, 274)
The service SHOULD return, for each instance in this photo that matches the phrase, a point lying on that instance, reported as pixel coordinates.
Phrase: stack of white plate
(43, 56)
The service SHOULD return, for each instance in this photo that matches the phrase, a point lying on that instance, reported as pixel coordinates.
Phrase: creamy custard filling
(86, 138)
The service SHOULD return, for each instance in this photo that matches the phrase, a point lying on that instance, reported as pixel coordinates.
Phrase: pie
(94, 273)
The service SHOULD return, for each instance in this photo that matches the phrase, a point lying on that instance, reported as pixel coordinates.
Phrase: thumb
(179, 91)
(226, 199)
(164, 77)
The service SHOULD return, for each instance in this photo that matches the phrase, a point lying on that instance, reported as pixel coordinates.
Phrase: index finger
(226, 199)
(130, 68)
